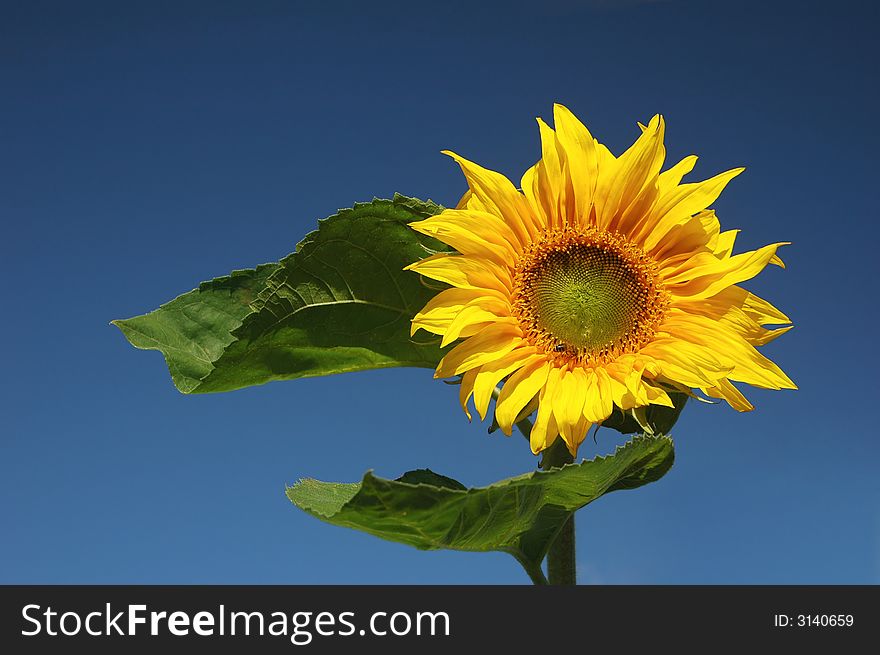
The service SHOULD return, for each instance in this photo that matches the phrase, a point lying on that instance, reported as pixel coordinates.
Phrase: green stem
(525, 427)
(561, 563)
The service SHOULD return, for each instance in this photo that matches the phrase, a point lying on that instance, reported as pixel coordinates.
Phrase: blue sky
(146, 147)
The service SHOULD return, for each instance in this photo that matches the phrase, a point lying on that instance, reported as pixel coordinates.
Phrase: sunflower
(603, 283)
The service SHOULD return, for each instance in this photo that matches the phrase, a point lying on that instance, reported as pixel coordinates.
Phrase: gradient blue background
(145, 147)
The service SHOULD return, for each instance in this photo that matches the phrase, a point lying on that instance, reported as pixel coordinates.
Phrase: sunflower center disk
(587, 296)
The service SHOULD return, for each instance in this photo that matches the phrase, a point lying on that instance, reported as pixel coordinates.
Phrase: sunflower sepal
(649, 419)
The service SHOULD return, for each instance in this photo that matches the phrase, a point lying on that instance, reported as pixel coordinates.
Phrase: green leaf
(653, 419)
(427, 476)
(341, 302)
(520, 515)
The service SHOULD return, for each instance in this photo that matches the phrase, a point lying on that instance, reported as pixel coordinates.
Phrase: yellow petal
(606, 394)
(480, 310)
(442, 309)
(579, 433)
(528, 410)
(697, 234)
(544, 184)
(635, 168)
(681, 203)
(606, 175)
(580, 155)
(532, 192)
(618, 374)
(763, 337)
(628, 219)
(491, 373)
(655, 395)
(545, 429)
(749, 365)
(762, 311)
(710, 275)
(741, 311)
(489, 343)
(726, 391)
(597, 399)
(567, 402)
(518, 391)
(690, 364)
(465, 272)
(724, 245)
(466, 391)
(498, 195)
(473, 233)
(671, 178)
(752, 308)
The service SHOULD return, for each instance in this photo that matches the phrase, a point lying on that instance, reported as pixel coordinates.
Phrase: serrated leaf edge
(496, 485)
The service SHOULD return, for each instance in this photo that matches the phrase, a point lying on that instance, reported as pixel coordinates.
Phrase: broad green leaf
(341, 302)
(519, 515)
(427, 476)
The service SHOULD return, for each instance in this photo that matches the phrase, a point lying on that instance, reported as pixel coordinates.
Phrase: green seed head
(586, 297)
